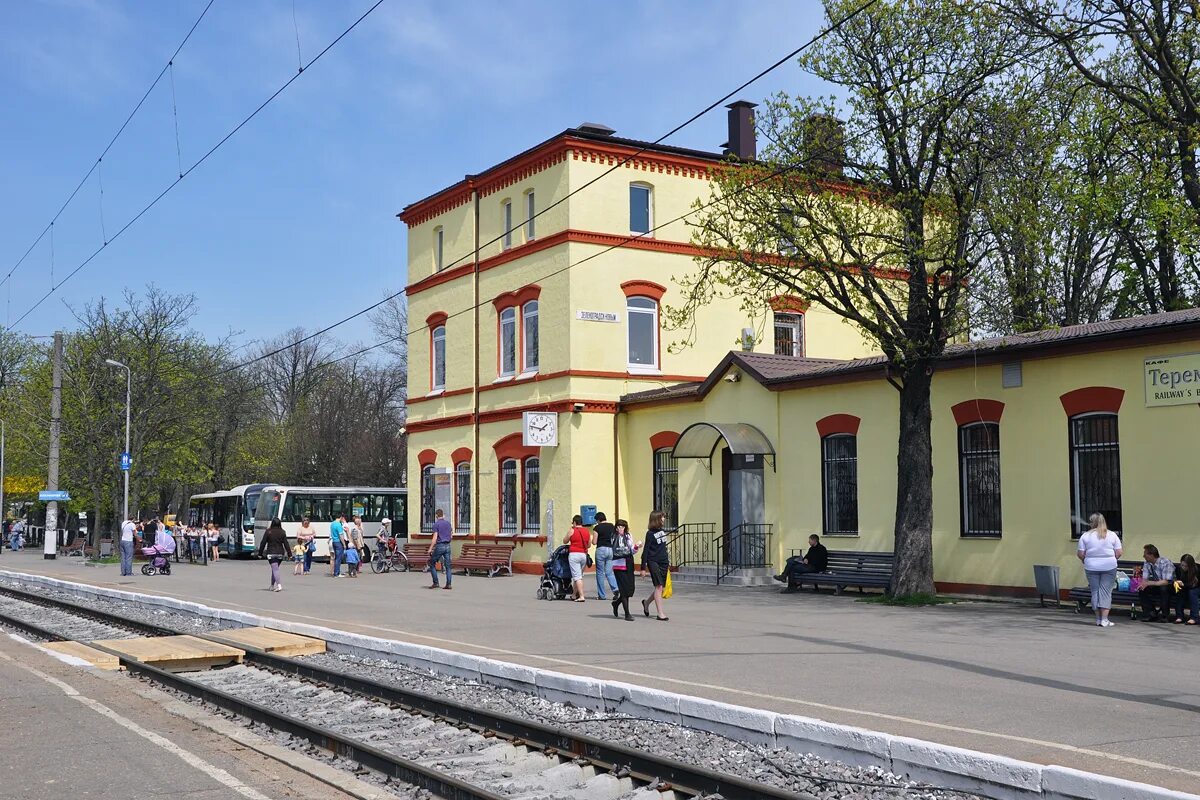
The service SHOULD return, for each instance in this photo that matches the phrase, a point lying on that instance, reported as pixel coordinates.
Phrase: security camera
(577, 407)
(733, 377)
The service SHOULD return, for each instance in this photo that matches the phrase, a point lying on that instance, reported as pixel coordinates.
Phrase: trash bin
(1045, 577)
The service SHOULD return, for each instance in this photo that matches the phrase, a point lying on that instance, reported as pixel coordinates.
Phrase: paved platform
(77, 733)
(1040, 685)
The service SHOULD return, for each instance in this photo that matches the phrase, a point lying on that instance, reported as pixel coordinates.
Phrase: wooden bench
(495, 558)
(1082, 595)
(417, 554)
(851, 568)
(77, 547)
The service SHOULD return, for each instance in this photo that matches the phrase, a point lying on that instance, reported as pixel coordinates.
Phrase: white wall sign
(597, 316)
(1173, 380)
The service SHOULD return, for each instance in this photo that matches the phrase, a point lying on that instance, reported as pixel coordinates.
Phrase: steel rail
(609, 756)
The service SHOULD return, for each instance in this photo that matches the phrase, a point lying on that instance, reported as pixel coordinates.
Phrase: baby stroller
(159, 563)
(556, 575)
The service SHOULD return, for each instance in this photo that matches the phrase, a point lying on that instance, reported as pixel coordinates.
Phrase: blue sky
(292, 222)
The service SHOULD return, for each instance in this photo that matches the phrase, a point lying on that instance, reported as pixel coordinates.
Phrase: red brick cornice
(513, 412)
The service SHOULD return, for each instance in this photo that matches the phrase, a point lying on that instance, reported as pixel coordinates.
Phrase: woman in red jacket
(580, 540)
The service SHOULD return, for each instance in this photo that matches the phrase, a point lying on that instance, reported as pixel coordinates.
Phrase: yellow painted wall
(1157, 451)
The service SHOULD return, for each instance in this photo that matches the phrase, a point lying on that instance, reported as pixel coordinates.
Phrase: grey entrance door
(744, 500)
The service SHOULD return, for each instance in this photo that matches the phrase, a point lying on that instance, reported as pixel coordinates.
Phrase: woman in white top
(1099, 550)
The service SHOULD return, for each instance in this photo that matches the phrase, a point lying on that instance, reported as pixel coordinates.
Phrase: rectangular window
(533, 498)
(789, 334)
(839, 483)
(508, 498)
(979, 478)
(428, 499)
(508, 341)
(643, 332)
(438, 376)
(1095, 471)
(508, 229)
(462, 496)
(530, 338)
(439, 242)
(666, 486)
(530, 213)
(639, 208)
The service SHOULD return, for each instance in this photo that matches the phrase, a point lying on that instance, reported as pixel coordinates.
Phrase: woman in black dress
(622, 564)
(656, 559)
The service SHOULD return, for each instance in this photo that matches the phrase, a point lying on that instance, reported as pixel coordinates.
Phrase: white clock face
(542, 429)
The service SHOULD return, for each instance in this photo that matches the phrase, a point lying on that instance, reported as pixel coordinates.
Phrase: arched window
(529, 337)
(428, 499)
(462, 495)
(532, 497)
(666, 485)
(641, 208)
(1095, 470)
(437, 376)
(508, 342)
(530, 213)
(509, 498)
(439, 249)
(839, 483)
(979, 478)
(643, 333)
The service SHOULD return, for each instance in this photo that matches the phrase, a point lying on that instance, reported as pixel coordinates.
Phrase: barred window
(1095, 471)
(428, 500)
(533, 516)
(979, 478)
(666, 486)
(839, 483)
(508, 497)
(462, 495)
(789, 334)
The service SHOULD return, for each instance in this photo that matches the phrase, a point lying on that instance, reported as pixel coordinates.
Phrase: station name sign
(1173, 380)
(597, 316)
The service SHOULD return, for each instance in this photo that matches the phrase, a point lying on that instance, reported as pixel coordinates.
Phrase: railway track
(448, 748)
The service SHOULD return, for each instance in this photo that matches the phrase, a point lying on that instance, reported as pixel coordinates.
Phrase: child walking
(298, 559)
(352, 561)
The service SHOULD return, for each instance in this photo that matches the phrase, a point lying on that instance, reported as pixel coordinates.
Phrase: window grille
(839, 483)
(979, 478)
(533, 497)
(427, 498)
(789, 334)
(666, 486)
(508, 498)
(462, 496)
(1095, 471)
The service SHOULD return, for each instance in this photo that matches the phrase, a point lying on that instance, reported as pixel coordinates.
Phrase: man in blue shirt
(439, 547)
(337, 544)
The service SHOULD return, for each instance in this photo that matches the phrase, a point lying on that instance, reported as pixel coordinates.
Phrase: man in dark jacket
(815, 560)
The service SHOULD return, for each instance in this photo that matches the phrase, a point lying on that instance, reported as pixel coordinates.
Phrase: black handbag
(589, 560)
(621, 551)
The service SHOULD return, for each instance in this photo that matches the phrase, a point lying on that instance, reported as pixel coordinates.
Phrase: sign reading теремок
(1173, 380)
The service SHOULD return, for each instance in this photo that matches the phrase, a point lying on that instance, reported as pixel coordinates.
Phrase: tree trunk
(914, 486)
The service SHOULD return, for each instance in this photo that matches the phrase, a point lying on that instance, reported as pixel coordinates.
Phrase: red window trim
(435, 319)
(1092, 399)
(838, 423)
(640, 288)
(512, 448)
(517, 301)
(979, 410)
(662, 440)
(517, 298)
(788, 304)
(460, 455)
(427, 458)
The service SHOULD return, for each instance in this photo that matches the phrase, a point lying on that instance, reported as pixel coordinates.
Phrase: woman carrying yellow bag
(657, 561)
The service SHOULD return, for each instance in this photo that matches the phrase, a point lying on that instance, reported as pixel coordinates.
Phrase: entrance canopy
(700, 440)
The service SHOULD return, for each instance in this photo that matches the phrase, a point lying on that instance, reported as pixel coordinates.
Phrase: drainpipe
(616, 467)
(476, 516)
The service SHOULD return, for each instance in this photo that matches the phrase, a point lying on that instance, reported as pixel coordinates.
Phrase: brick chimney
(741, 144)
(825, 144)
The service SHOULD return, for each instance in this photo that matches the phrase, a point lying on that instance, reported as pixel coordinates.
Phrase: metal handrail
(692, 544)
(745, 546)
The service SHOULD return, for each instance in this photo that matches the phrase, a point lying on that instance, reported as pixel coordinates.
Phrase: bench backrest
(501, 552)
(861, 561)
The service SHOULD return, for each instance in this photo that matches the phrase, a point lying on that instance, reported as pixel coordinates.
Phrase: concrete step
(707, 576)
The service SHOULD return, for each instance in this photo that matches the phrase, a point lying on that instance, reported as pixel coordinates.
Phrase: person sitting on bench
(815, 560)
(1156, 590)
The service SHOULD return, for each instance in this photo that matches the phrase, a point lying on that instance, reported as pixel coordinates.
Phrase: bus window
(267, 506)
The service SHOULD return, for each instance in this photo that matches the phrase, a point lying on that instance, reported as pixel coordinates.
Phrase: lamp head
(112, 363)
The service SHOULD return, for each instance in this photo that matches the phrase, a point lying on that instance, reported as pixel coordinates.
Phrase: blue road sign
(126, 461)
(48, 497)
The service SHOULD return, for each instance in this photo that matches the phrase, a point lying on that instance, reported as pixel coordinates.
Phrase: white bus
(233, 511)
(323, 504)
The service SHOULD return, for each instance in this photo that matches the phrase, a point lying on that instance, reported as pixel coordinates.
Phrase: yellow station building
(541, 380)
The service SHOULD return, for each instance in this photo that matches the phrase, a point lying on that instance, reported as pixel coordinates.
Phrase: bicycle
(384, 561)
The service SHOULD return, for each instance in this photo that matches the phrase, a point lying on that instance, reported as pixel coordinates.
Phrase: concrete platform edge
(999, 777)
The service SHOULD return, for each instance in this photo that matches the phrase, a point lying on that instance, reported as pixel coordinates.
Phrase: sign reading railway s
(1173, 380)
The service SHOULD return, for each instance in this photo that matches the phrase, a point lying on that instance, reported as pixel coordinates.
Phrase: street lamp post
(128, 402)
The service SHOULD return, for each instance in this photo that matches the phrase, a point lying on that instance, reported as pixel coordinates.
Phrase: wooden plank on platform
(96, 658)
(278, 643)
(175, 653)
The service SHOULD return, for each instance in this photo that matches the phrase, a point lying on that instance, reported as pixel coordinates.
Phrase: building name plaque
(1173, 380)
(597, 316)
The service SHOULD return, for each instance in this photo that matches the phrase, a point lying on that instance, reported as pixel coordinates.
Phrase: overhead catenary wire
(96, 164)
(233, 132)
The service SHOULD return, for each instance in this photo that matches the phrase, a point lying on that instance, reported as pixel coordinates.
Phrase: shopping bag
(667, 586)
